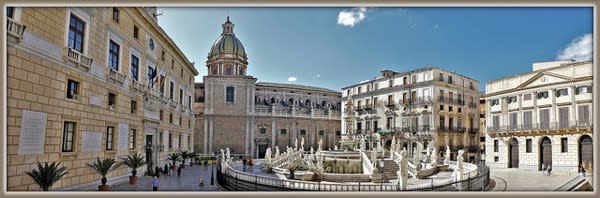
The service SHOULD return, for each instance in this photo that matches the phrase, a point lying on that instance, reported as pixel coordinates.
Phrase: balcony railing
(116, 76)
(542, 126)
(473, 130)
(79, 58)
(136, 85)
(15, 29)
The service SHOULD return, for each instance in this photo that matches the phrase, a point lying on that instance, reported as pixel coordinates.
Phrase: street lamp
(212, 177)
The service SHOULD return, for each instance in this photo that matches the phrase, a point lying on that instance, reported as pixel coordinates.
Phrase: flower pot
(132, 179)
(103, 187)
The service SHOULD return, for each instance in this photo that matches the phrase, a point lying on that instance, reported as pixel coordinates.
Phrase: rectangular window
(495, 145)
(583, 112)
(564, 145)
(527, 97)
(229, 94)
(161, 84)
(151, 73)
(68, 137)
(512, 120)
(527, 120)
(442, 123)
(496, 123)
(496, 158)
(441, 78)
(542, 94)
(109, 137)
(302, 132)
(171, 118)
(495, 102)
(528, 145)
(132, 139)
(113, 56)
(283, 132)
(263, 131)
(171, 90)
(441, 107)
(162, 57)
(390, 99)
(563, 115)
(583, 89)
(76, 33)
(111, 100)
(72, 89)
(115, 14)
(450, 79)
(160, 115)
(133, 106)
(321, 132)
(134, 67)
(544, 119)
(512, 99)
(10, 12)
(359, 90)
(170, 141)
(135, 31)
(459, 110)
(404, 80)
(562, 92)
(181, 96)
(374, 102)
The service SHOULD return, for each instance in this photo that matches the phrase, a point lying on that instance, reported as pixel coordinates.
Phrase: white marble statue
(434, 157)
(335, 148)
(228, 157)
(302, 143)
(223, 155)
(363, 145)
(320, 144)
(393, 146)
(276, 151)
(374, 158)
(295, 143)
(268, 154)
(458, 172)
(403, 171)
(447, 155)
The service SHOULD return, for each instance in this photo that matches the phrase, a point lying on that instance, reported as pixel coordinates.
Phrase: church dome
(227, 43)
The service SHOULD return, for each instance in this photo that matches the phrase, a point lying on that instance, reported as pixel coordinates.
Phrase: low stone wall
(346, 177)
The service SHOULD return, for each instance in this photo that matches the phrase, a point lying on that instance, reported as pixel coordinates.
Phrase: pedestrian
(169, 169)
(156, 171)
(582, 169)
(179, 171)
(155, 183)
(166, 169)
(250, 163)
(201, 180)
(543, 169)
(549, 169)
(244, 164)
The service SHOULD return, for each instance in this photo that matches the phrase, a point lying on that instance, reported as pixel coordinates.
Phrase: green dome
(227, 43)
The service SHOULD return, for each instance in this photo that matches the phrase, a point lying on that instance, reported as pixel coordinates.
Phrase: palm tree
(103, 167)
(133, 161)
(46, 175)
(176, 156)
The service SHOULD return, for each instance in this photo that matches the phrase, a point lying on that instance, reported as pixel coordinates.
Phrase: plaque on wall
(95, 100)
(90, 141)
(33, 132)
(123, 140)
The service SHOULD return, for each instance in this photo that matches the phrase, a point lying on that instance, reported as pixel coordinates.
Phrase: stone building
(233, 110)
(79, 87)
(541, 117)
(419, 107)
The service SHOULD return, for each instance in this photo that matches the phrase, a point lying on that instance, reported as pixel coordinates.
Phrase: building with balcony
(234, 110)
(426, 106)
(542, 117)
(92, 82)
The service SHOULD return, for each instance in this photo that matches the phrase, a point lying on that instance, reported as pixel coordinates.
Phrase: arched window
(228, 70)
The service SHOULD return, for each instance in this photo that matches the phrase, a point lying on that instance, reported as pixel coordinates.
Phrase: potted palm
(133, 161)
(184, 157)
(103, 167)
(46, 175)
(176, 156)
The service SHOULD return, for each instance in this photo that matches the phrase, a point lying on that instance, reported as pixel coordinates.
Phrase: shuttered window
(583, 115)
(544, 119)
(527, 120)
(563, 115)
(513, 121)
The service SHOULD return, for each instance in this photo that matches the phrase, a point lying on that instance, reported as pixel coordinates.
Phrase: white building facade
(418, 107)
(543, 117)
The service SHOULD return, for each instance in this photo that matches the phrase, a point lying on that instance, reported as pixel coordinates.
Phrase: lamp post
(212, 177)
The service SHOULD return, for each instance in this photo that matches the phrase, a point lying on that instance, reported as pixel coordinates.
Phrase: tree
(133, 161)
(176, 156)
(46, 175)
(103, 167)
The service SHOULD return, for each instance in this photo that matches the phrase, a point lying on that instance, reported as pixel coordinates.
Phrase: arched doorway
(545, 152)
(586, 148)
(388, 145)
(513, 153)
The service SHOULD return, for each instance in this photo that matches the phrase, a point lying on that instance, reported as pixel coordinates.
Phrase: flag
(155, 77)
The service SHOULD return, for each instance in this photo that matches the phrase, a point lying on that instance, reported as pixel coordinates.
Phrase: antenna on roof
(158, 14)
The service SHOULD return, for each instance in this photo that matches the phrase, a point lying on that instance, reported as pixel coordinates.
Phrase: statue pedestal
(377, 177)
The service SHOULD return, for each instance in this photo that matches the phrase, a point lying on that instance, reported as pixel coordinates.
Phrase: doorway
(545, 152)
(513, 154)
(586, 148)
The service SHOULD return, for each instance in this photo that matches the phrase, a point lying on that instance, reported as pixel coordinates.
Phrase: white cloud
(318, 75)
(352, 16)
(292, 79)
(579, 49)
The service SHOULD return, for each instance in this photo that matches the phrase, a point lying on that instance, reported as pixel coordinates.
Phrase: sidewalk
(188, 181)
(512, 179)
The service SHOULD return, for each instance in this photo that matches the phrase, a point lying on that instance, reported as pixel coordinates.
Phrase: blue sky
(334, 47)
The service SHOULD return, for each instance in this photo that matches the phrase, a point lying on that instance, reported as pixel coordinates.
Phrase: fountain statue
(374, 158)
(320, 144)
(363, 145)
(428, 155)
(434, 157)
(302, 144)
(393, 147)
(268, 154)
(416, 161)
(223, 155)
(447, 155)
(459, 170)
(228, 157)
(335, 148)
(295, 143)
(276, 151)
(403, 171)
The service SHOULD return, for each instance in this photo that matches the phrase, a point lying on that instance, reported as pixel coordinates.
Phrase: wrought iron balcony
(80, 59)
(14, 28)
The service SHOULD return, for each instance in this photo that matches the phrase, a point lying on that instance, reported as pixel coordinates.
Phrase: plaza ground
(512, 179)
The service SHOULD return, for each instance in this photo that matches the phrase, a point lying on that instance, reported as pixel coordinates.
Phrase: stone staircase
(389, 169)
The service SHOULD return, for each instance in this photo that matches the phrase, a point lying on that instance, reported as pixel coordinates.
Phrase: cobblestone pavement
(512, 179)
(188, 181)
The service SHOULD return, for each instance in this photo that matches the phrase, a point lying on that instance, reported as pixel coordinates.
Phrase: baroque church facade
(233, 110)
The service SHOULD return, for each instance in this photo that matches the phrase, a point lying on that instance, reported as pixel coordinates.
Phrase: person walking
(156, 171)
(166, 169)
(155, 183)
(582, 169)
(244, 164)
(250, 163)
(179, 171)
